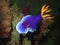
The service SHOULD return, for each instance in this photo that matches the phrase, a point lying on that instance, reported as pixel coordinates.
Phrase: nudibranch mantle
(28, 23)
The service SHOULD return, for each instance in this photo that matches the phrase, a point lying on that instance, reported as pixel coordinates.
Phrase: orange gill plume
(45, 13)
(48, 19)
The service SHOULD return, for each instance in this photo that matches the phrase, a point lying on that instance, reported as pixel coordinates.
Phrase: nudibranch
(28, 24)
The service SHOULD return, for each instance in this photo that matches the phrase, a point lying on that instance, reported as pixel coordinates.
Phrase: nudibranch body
(28, 23)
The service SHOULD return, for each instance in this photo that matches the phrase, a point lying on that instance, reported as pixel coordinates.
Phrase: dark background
(53, 37)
